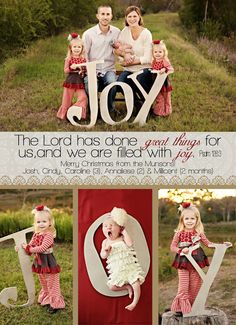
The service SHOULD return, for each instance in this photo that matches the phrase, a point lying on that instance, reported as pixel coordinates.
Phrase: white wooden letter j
(11, 292)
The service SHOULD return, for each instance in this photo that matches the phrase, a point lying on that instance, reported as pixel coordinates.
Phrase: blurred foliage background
(24, 21)
(16, 207)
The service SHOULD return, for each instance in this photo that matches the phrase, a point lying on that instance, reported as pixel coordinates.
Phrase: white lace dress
(123, 266)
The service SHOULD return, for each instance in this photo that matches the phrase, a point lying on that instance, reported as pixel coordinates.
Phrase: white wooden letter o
(95, 269)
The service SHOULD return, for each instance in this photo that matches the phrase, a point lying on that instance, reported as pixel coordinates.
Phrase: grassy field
(223, 291)
(204, 96)
(35, 314)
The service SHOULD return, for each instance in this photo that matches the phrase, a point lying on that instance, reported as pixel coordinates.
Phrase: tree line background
(212, 209)
(24, 21)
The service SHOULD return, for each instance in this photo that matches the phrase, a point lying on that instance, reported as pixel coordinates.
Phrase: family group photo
(117, 66)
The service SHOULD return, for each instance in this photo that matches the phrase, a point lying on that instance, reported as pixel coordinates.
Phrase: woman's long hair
(137, 10)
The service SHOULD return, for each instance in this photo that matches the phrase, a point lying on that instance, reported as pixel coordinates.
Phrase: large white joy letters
(141, 118)
(11, 292)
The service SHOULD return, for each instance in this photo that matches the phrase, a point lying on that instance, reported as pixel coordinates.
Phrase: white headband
(119, 216)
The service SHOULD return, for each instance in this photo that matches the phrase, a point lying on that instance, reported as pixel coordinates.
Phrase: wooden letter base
(213, 316)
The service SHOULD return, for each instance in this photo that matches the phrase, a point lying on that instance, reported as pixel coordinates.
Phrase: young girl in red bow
(74, 83)
(189, 232)
(162, 105)
(44, 264)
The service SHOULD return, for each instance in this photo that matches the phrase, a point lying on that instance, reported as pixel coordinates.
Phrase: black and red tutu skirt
(181, 261)
(74, 81)
(45, 263)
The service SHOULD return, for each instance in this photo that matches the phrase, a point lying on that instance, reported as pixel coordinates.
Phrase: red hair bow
(185, 205)
(74, 35)
(156, 41)
(39, 208)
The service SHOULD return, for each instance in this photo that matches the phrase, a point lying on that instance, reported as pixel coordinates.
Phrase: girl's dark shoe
(153, 115)
(52, 310)
(46, 306)
(179, 314)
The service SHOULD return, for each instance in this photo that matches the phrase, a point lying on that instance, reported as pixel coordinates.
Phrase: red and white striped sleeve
(205, 241)
(167, 65)
(174, 244)
(67, 65)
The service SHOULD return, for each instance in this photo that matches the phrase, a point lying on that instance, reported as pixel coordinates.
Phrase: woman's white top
(142, 48)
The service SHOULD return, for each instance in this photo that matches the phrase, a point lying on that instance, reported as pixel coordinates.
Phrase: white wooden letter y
(198, 308)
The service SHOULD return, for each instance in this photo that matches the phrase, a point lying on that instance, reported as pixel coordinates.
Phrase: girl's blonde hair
(69, 52)
(138, 11)
(199, 226)
(162, 45)
(46, 212)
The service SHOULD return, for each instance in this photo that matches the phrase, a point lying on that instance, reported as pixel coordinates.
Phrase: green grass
(35, 315)
(203, 99)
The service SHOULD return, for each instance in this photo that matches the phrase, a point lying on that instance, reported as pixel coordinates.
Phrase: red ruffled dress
(186, 239)
(162, 105)
(74, 84)
(75, 78)
(44, 261)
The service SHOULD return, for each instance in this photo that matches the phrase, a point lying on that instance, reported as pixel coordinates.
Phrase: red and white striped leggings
(82, 101)
(50, 293)
(189, 286)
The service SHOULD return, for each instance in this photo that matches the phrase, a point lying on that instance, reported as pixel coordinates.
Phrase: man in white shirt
(98, 42)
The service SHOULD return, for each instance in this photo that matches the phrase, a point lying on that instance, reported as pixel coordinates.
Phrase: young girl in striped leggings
(189, 232)
(162, 105)
(44, 264)
(74, 83)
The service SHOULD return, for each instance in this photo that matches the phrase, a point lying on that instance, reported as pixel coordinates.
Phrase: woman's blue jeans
(145, 79)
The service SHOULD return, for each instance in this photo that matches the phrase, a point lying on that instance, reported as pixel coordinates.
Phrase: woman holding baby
(140, 57)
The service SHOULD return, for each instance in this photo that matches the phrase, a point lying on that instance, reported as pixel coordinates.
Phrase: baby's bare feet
(131, 306)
